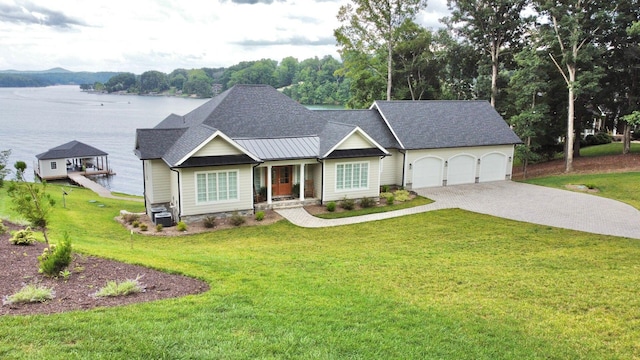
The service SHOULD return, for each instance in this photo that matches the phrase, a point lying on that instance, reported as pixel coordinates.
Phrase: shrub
(159, 228)
(23, 237)
(30, 293)
(130, 218)
(390, 199)
(331, 206)
(237, 219)
(3, 229)
(384, 188)
(55, 258)
(260, 215)
(181, 226)
(367, 202)
(144, 227)
(135, 224)
(402, 195)
(348, 204)
(209, 222)
(114, 288)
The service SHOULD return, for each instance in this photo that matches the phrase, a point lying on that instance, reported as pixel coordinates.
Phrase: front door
(281, 177)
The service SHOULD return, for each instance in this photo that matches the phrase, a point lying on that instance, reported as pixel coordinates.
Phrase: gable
(217, 147)
(355, 141)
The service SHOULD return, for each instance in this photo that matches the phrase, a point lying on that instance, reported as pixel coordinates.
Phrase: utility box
(156, 210)
(164, 219)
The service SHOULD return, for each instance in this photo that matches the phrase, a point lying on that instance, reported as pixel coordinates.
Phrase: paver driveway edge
(511, 200)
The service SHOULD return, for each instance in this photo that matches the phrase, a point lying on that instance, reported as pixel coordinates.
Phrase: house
(74, 156)
(251, 147)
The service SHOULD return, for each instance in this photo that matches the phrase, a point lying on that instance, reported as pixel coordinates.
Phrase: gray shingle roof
(153, 143)
(446, 123)
(72, 149)
(272, 126)
(369, 121)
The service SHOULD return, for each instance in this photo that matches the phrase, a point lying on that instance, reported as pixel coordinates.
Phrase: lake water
(33, 120)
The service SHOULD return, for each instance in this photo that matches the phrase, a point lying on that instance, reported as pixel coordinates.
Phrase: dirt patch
(582, 165)
(19, 267)
(581, 187)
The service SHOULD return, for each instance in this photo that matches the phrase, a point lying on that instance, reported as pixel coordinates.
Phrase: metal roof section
(304, 147)
(72, 149)
(432, 124)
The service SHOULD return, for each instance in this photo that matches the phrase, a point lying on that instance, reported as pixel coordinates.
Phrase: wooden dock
(80, 179)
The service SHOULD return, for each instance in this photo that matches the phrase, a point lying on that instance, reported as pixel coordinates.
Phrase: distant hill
(55, 76)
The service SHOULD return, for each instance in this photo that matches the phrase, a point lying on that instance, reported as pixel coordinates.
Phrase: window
(217, 186)
(352, 176)
(54, 165)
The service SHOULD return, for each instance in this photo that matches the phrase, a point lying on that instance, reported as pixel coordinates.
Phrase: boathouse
(73, 157)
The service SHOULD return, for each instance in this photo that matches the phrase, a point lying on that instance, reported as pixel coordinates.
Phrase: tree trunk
(526, 158)
(570, 114)
(389, 68)
(494, 75)
(626, 139)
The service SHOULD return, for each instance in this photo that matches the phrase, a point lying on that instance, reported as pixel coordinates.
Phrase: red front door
(281, 180)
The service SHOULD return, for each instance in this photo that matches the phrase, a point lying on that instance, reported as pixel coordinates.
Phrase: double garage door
(459, 169)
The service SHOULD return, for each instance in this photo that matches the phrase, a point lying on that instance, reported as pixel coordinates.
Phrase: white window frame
(208, 192)
(350, 178)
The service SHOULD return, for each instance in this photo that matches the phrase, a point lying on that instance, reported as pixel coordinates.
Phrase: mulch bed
(582, 165)
(19, 266)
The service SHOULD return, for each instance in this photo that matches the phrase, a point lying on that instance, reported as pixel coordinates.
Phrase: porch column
(269, 184)
(301, 182)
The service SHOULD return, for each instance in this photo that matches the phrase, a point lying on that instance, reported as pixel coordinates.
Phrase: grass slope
(447, 284)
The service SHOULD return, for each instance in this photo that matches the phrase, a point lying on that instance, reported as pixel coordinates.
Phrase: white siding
(355, 141)
(158, 181)
(217, 147)
(391, 168)
(245, 191)
(477, 152)
(330, 191)
(46, 171)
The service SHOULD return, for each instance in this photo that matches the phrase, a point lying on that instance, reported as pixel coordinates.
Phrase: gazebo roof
(72, 149)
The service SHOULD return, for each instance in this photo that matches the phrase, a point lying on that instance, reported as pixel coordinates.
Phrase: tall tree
(460, 66)
(371, 25)
(418, 71)
(492, 26)
(4, 158)
(574, 24)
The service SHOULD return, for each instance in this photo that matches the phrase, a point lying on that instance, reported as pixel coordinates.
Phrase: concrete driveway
(511, 200)
(542, 205)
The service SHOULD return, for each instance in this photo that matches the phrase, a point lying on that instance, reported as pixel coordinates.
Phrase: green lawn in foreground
(620, 186)
(440, 285)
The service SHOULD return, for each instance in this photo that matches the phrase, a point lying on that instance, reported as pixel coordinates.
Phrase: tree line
(311, 81)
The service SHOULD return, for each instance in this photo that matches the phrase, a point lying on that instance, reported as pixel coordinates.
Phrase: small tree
(31, 200)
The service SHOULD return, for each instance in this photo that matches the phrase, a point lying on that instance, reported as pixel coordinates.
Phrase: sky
(163, 35)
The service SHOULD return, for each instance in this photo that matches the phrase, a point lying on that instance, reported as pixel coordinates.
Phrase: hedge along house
(252, 147)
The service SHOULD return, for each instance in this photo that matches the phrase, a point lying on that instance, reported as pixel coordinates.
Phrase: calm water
(33, 120)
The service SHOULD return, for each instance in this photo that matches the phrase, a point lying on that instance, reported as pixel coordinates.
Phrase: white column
(269, 184)
(301, 182)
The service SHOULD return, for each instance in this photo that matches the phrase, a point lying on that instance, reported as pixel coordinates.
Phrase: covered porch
(280, 185)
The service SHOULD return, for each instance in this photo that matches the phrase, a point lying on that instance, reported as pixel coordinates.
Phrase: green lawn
(620, 186)
(440, 285)
(614, 148)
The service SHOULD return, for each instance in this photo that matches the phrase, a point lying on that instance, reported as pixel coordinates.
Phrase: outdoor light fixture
(410, 166)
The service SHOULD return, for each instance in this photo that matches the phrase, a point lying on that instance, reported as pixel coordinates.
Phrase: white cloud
(139, 35)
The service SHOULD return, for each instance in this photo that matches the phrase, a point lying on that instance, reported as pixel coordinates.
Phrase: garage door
(492, 167)
(461, 170)
(427, 172)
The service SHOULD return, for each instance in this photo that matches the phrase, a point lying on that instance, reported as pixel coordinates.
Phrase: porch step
(286, 204)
